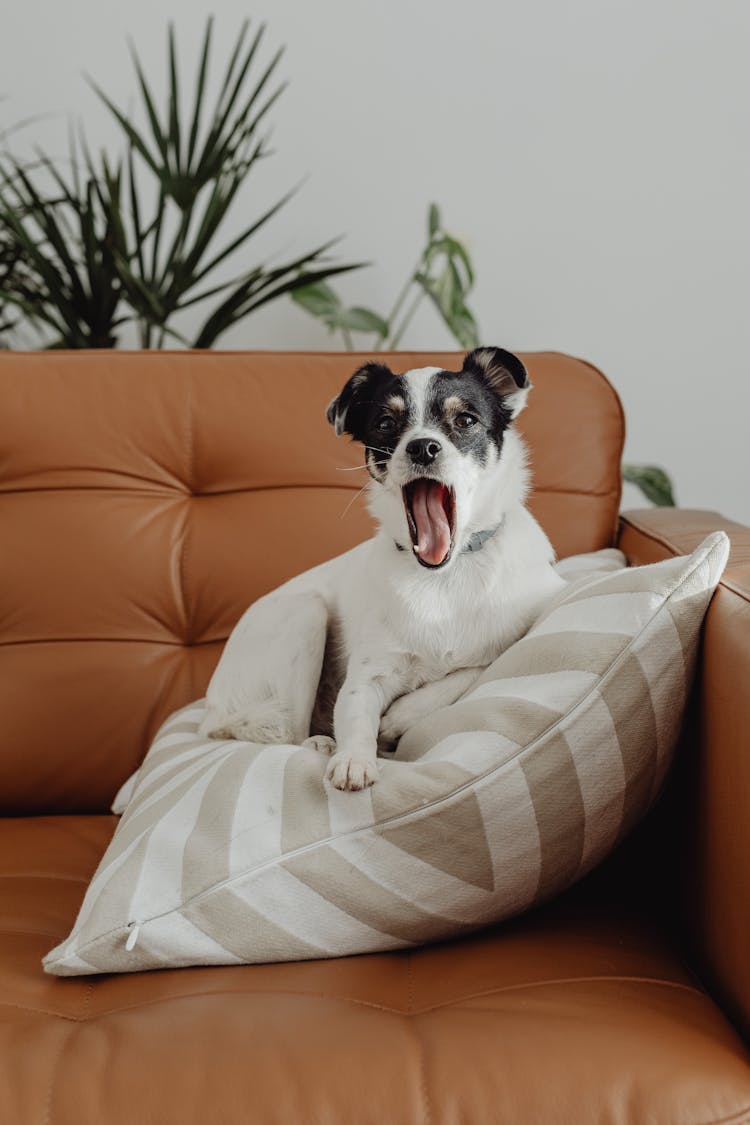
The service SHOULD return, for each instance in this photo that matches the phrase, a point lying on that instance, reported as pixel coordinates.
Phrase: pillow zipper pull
(135, 929)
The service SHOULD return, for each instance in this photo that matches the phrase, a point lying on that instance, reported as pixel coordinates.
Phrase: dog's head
(434, 442)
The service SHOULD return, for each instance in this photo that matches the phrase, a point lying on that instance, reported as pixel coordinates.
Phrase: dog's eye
(386, 424)
(465, 420)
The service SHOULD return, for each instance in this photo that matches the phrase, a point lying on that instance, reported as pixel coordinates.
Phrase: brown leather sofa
(145, 500)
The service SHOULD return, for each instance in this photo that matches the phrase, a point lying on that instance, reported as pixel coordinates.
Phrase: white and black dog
(363, 646)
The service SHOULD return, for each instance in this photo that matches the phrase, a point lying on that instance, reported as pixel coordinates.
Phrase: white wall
(594, 154)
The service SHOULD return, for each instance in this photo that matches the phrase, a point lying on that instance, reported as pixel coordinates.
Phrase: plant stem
(403, 293)
(348, 342)
(379, 341)
(396, 338)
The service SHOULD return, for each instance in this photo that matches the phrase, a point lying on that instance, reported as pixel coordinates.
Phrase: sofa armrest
(708, 809)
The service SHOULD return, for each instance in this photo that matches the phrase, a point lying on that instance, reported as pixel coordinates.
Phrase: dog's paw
(267, 722)
(392, 727)
(347, 771)
(322, 743)
(396, 721)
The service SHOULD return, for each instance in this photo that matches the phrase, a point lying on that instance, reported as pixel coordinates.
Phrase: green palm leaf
(247, 297)
(175, 132)
(200, 87)
(110, 249)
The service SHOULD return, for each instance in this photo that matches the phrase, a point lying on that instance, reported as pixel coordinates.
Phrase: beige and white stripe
(233, 852)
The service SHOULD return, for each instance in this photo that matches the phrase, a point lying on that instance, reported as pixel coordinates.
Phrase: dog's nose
(423, 451)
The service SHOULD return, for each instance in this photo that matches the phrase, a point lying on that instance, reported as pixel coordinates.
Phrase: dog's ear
(504, 373)
(346, 411)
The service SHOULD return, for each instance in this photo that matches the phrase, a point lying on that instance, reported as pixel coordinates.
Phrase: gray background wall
(594, 155)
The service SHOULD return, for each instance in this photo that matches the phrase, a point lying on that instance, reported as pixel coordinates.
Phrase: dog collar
(475, 542)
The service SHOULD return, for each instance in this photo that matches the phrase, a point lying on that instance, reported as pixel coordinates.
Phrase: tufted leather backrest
(147, 498)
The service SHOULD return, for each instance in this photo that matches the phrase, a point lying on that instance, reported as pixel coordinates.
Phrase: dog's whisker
(349, 468)
(354, 497)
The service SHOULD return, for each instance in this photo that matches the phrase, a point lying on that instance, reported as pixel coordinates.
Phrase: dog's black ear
(505, 374)
(346, 411)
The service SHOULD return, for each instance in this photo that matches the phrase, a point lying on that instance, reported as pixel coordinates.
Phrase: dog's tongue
(433, 529)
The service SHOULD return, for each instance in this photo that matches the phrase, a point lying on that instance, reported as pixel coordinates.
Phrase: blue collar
(475, 542)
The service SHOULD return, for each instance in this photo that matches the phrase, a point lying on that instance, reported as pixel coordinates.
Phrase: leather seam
(159, 491)
(655, 537)
(44, 875)
(556, 982)
(614, 492)
(54, 1072)
(738, 591)
(120, 354)
(184, 609)
(55, 1069)
(186, 494)
(423, 1090)
(409, 984)
(449, 1005)
(112, 641)
(31, 933)
(739, 1118)
(623, 435)
(420, 1052)
(180, 594)
(650, 534)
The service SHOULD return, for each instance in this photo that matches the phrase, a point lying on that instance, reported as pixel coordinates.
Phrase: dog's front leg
(415, 705)
(356, 719)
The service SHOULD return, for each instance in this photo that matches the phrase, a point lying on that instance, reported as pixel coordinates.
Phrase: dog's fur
(403, 623)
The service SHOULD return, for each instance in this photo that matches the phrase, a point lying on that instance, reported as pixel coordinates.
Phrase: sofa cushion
(234, 852)
(577, 1013)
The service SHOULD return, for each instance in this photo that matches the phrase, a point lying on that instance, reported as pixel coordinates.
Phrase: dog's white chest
(447, 629)
(435, 623)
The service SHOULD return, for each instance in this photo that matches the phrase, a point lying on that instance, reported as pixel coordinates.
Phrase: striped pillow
(232, 852)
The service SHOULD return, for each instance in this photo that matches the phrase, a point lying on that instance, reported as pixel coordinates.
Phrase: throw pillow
(232, 852)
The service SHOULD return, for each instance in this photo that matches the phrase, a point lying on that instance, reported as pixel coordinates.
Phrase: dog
(349, 655)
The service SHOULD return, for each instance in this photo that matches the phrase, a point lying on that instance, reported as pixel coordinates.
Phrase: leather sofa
(145, 500)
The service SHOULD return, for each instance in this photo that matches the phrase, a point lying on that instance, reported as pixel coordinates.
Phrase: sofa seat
(579, 1012)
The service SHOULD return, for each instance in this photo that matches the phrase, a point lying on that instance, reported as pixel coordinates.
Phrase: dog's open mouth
(431, 514)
